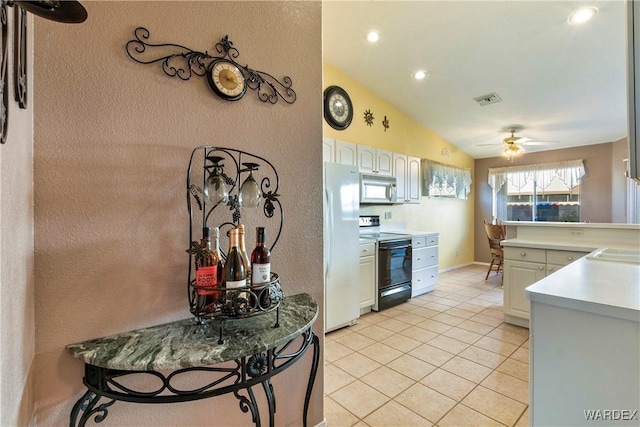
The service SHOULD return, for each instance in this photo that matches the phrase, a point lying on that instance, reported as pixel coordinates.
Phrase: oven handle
(384, 247)
(395, 290)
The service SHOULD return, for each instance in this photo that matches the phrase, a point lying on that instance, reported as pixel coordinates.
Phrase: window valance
(569, 172)
(445, 179)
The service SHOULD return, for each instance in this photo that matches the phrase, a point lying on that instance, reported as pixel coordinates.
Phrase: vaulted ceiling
(561, 85)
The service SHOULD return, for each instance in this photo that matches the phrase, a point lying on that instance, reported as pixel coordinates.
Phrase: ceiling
(561, 84)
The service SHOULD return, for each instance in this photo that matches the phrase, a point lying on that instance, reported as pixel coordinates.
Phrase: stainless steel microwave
(375, 189)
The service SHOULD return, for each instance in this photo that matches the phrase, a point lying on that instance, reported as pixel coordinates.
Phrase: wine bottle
(234, 273)
(261, 268)
(208, 270)
(243, 252)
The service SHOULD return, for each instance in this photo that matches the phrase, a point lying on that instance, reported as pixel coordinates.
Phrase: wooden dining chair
(495, 234)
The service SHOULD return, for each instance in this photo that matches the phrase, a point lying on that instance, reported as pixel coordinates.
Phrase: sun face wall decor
(227, 78)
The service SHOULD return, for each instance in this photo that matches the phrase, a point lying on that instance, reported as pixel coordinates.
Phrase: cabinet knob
(523, 254)
(365, 250)
(541, 268)
(550, 268)
(570, 258)
(419, 259)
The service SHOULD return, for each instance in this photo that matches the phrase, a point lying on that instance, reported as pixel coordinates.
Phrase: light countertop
(544, 224)
(580, 246)
(602, 287)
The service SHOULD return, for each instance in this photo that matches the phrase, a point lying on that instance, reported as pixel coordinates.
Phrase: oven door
(394, 263)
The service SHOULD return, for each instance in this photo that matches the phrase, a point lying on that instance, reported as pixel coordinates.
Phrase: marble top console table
(255, 349)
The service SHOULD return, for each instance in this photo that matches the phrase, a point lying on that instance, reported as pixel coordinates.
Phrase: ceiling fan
(512, 145)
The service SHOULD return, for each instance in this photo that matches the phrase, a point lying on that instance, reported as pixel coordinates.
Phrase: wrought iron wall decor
(221, 180)
(226, 77)
(20, 57)
(68, 11)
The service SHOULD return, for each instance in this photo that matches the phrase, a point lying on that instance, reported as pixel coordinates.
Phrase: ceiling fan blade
(539, 143)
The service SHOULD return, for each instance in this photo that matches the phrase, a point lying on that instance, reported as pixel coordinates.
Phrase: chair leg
(489, 271)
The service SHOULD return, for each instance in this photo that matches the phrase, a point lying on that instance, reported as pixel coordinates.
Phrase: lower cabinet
(424, 263)
(368, 272)
(524, 267)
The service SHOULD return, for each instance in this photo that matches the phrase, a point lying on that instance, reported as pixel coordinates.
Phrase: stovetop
(370, 229)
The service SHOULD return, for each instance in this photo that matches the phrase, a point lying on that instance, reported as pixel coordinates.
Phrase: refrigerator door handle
(328, 219)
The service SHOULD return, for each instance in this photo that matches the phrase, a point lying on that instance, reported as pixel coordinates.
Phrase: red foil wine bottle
(209, 269)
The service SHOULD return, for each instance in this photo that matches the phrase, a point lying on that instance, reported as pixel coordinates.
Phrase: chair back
(495, 233)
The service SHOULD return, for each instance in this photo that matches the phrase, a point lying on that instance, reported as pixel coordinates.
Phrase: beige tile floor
(445, 358)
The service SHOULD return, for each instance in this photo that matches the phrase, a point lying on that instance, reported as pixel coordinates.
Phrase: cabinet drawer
(563, 257)
(418, 242)
(424, 241)
(367, 249)
(424, 257)
(424, 277)
(526, 254)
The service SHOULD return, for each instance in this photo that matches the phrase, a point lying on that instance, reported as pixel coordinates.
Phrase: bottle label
(206, 280)
(260, 273)
(237, 284)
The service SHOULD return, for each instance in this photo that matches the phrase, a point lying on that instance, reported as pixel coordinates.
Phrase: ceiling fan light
(582, 15)
(420, 75)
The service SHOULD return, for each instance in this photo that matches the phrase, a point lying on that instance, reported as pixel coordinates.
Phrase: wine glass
(215, 189)
(250, 194)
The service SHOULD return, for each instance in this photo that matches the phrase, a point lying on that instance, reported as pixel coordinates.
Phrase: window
(441, 180)
(541, 192)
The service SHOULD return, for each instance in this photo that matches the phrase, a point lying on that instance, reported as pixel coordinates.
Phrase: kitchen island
(535, 250)
(585, 343)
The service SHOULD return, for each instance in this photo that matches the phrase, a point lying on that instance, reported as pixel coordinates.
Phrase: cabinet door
(346, 153)
(367, 281)
(517, 276)
(328, 150)
(384, 162)
(400, 172)
(413, 180)
(366, 159)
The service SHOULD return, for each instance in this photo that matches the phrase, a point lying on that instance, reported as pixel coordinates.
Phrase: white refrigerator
(341, 209)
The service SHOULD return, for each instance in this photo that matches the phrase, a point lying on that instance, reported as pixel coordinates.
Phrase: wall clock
(226, 80)
(338, 110)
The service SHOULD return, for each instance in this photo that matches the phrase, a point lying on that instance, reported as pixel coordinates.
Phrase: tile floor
(445, 358)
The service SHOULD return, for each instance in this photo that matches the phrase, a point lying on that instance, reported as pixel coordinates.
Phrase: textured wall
(112, 143)
(17, 325)
(595, 188)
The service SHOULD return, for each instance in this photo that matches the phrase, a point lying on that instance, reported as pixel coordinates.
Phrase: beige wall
(453, 219)
(619, 182)
(112, 143)
(17, 323)
(596, 189)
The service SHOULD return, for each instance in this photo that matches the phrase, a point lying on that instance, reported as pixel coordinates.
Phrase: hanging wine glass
(250, 194)
(215, 189)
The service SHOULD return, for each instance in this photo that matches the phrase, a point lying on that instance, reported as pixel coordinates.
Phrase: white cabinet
(328, 150)
(346, 153)
(424, 263)
(406, 169)
(522, 268)
(367, 276)
(375, 161)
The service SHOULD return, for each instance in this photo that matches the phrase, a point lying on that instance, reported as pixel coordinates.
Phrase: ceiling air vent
(491, 98)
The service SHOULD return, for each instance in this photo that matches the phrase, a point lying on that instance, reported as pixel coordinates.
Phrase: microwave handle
(391, 192)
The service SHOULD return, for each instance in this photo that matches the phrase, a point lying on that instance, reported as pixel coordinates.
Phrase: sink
(629, 256)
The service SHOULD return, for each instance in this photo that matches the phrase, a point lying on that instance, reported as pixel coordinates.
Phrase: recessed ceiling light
(420, 75)
(373, 36)
(582, 15)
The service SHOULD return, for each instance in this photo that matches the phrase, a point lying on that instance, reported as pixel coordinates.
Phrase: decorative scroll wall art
(4, 82)
(20, 58)
(227, 78)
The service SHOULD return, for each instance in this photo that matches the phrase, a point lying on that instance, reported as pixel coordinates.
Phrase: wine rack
(208, 206)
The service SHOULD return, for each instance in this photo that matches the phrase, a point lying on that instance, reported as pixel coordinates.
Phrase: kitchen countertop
(595, 286)
(561, 246)
(545, 224)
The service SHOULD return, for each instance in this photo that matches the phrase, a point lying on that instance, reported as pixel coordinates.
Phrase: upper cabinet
(328, 150)
(407, 172)
(346, 153)
(375, 161)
